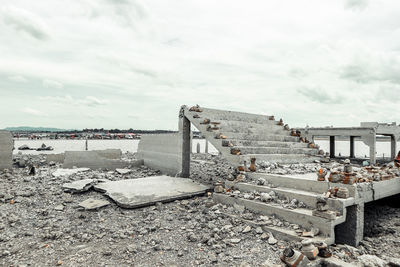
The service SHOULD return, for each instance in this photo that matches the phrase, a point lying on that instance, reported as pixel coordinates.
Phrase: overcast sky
(132, 64)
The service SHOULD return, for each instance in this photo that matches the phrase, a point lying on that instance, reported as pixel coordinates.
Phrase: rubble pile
(55, 218)
(348, 174)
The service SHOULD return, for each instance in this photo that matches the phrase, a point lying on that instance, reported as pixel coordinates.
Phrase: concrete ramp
(134, 193)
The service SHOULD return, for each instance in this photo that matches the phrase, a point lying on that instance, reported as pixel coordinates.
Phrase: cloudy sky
(132, 64)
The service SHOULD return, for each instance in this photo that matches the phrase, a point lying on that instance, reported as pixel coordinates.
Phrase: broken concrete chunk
(330, 215)
(68, 172)
(92, 204)
(133, 193)
(79, 186)
(123, 171)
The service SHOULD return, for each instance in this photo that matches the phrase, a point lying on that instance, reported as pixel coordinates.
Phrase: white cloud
(18, 78)
(154, 56)
(32, 111)
(52, 84)
(25, 21)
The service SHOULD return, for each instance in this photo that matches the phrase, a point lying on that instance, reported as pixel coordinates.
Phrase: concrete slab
(134, 193)
(93, 204)
(79, 186)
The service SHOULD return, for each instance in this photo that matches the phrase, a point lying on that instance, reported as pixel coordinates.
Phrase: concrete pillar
(352, 154)
(370, 140)
(332, 146)
(206, 149)
(351, 232)
(184, 130)
(198, 148)
(393, 146)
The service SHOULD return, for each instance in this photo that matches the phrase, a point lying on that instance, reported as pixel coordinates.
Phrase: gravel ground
(36, 231)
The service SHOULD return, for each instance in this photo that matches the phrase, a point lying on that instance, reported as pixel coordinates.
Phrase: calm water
(343, 147)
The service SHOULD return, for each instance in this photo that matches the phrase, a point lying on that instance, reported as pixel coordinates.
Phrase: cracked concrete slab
(79, 186)
(92, 204)
(134, 193)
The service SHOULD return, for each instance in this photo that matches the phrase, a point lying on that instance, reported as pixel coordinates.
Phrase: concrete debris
(123, 171)
(68, 172)
(371, 261)
(93, 204)
(308, 249)
(78, 186)
(134, 193)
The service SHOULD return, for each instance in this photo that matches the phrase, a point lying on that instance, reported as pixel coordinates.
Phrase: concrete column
(370, 140)
(352, 154)
(184, 130)
(351, 232)
(332, 146)
(206, 149)
(393, 146)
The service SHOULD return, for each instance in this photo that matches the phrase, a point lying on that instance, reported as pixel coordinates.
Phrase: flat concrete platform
(134, 193)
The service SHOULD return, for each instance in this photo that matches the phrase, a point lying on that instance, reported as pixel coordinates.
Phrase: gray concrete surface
(94, 160)
(133, 193)
(6, 147)
(162, 152)
(78, 186)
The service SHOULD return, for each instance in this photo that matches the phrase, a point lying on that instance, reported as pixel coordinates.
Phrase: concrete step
(261, 137)
(239, 142)
(281, 158)
(215, 115)
(300, 183)
(307, 197)
(282, 233)
(275, 150)
(298, 216)
(265, 130)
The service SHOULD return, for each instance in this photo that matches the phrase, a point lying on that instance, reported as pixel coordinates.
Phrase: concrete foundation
(6, 148)
(162, 152)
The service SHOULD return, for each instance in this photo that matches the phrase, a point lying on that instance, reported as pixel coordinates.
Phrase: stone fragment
(247, 229)
(79, 186)
(308, 249)
(123, 171)
(68, 172)
(272, 240)
(265, 197)
(59, 207)
(92, 204)
(328, 214)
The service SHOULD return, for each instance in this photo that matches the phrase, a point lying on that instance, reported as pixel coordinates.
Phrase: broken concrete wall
(94, 161)
(58, 158)
(109, 153)
(6, 148)
(162, 152)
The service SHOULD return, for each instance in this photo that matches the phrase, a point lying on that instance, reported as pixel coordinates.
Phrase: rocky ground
(41, 225)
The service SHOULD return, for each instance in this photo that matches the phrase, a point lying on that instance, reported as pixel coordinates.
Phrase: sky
(132, 64)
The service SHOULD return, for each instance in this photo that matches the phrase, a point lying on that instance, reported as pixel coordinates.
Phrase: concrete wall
(6, 147)
(94, 160)
(58, 158)
(162, 152)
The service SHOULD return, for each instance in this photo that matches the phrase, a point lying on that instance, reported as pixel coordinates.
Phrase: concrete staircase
(289, 188)
(253, 135)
